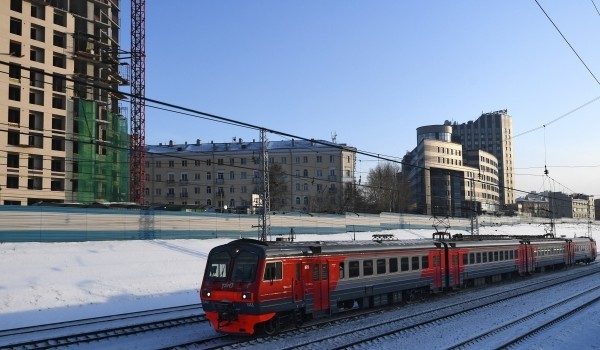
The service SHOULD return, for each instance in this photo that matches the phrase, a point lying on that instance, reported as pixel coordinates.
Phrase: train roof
(286, 248)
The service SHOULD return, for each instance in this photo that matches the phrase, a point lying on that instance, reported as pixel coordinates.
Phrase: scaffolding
(103, 170)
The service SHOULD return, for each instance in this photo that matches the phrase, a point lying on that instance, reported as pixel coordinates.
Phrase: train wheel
(272, 326)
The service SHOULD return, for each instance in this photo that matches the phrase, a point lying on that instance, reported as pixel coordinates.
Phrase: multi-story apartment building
(446, 180)
(309, 176)
(63, 138)
(492, 132)
(576, 206)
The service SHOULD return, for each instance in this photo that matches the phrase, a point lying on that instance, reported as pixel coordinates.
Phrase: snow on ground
(53, 282)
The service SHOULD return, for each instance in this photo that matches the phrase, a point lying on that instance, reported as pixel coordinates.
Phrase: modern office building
(446, 180)
(492, 132)
(63, 137)
(305, 175)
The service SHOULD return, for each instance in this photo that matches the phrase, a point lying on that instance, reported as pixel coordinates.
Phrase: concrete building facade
(492, 132)
(62, 139)
(445, 180)
(312, 176)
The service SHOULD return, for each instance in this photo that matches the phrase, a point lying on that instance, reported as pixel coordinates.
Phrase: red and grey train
(252, 286)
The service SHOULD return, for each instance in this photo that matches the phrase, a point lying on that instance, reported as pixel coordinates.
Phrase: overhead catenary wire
(567, 41)
(213, 117)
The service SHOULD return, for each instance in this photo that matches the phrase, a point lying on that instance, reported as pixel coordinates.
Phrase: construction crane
(137, 142)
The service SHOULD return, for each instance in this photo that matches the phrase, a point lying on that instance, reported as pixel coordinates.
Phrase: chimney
(198, 142)
(170, 142)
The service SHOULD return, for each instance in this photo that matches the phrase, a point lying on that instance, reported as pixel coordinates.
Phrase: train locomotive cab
(229, 291)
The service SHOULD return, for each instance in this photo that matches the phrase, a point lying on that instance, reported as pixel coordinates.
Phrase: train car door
(570, 251)
(455, 268)
(298, 284)
(436, 263)
(320, 277)
(523, 256)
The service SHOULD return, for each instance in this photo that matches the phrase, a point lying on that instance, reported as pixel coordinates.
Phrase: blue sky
(373, 71)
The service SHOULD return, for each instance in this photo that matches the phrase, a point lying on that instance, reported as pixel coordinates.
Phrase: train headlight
(206, 293)
(246, 296)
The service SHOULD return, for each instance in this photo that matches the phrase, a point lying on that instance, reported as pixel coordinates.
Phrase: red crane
(137, 141)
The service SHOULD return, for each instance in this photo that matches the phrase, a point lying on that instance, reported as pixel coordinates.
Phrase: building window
(57, 164)
(14, 72)
(60, 18)
(38, 11)
(59, 39)
(34, 183)
(208, 189)
(36, 120)
(305, 159)
(12, 160)
(58, 143)
(13, 137)
(38, 33)
(59, 60)
(58, 122)
(16, 5)
(15, 26)
(15, 48)
(12, 181)
(184, 163)
(57, 184)
(14, 93)
(59, 83)
(36, 97)
(14, 115)
(59, 102)
(36, 54)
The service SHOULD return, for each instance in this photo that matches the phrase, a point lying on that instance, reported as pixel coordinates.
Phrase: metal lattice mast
(137, 142)
(265, 223)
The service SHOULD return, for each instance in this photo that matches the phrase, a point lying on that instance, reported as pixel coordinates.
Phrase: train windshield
(217, 266)
(244, 263)
(244, 267)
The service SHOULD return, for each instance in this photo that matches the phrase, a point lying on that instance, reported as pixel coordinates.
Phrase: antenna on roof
(334, 137)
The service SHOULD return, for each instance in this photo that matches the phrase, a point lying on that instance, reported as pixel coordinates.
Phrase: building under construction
(63, 135)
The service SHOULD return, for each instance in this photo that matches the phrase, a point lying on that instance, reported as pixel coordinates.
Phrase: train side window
(393, 264)
(502, 255)
(324, 272)
(479, 258)
(367, 267)
(273, 271)
(496, 256)
(424, 262)
(484, 257)
(381, 266)
(512, 257)
(490, 256)
(465, 259)
(341, 270)
(316, 272)
(404, 264)
(353, 270)
(471, 258)
(414, 263)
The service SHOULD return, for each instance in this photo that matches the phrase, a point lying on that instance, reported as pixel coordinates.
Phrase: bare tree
(278, 189)
(382, 189)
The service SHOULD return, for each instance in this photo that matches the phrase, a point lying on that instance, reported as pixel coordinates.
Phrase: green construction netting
(103, 167)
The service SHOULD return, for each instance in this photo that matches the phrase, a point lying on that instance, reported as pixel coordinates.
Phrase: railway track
(513, 332)
(85, 331)
(312, 336)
